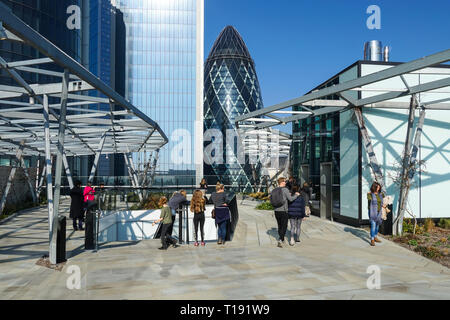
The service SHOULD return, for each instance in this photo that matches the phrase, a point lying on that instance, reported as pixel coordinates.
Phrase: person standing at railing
(101, 191)
(76, 206)
(204, 185)
(221, 212)
(178, 199)
(166, 219)
(198, 208)
(89, 196)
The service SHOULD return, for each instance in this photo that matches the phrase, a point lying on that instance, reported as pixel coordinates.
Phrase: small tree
(404, 179)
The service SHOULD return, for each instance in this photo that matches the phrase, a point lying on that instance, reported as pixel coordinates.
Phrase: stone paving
(330, 262)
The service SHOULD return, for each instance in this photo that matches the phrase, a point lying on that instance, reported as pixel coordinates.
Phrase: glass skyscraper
(231, 89)
(49, 19)
(164, 77)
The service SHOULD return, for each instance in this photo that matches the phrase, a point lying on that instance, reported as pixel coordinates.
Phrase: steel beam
(50, 205)
(134, 176)
(68, 173)
(373, 161)
(401, 69)
(97, 156)
(398, 223)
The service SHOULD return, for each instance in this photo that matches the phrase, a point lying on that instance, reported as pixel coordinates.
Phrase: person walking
(166, 219)
(76, 206)
(222, 212)
(198, 208)
(296, 212)
(375, 205)
(280, 198)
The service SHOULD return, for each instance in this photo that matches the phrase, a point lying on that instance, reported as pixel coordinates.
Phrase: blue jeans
(222, 230)
(374, 228)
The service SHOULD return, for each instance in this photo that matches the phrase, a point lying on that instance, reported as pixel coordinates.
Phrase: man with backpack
(280, 198)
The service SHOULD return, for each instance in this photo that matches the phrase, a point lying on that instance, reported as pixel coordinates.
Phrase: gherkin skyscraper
(231, 89)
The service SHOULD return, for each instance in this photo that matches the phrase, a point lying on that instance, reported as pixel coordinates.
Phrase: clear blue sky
(298, 44)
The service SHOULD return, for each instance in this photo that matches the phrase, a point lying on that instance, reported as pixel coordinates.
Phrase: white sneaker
(280, 244)
(292, 241)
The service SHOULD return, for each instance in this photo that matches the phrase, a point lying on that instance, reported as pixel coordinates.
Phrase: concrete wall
(137, 225)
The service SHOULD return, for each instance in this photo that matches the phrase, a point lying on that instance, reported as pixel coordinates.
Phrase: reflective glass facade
(161, 72)
(231, 89)
(49, 18)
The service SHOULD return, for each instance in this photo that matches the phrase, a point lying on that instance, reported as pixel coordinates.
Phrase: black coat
(76, 206)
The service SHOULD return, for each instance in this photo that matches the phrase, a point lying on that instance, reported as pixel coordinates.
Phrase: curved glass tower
(231, 89)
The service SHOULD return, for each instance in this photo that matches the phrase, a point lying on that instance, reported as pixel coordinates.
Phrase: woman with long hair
(198, 208)
(375, 205)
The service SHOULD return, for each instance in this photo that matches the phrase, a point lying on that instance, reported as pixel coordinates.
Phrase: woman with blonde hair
(166, 219)
(198, 208)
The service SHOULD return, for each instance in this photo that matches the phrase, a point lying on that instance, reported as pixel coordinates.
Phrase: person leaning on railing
(222, 212)
(178, 199)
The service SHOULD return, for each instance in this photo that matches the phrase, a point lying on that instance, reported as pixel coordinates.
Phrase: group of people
(292, 205)
(81, 201)
(221, 214)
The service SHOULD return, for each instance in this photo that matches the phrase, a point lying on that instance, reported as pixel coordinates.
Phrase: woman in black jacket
(76, 206)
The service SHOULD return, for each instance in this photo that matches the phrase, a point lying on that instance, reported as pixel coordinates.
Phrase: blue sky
(299, 44)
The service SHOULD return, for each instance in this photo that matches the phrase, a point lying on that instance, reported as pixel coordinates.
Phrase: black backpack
(276, 198)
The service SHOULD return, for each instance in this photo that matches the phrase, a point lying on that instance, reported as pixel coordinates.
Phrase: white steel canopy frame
(63, 118)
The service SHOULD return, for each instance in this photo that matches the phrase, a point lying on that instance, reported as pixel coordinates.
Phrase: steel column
(11, 177)
(134, 176)
(48, 165)
(68, 173)
(97, 157)
(398, 223)
(59, 154)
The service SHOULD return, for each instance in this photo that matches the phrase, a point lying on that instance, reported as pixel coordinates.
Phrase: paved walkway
(330, 263)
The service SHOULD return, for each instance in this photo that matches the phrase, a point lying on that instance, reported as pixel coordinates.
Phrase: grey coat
(287, 197)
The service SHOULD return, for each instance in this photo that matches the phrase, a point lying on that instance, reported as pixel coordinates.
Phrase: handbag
(213, 213)
(307, 211)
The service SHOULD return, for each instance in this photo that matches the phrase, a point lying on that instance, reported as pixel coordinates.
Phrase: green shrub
(413, 243)
(428, 252)
(444, 223)
(265, 206)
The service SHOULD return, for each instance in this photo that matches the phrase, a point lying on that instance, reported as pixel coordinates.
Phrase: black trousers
(170, 228)
(80, 223)
(199, 220)
(282, 220)
(164, 235)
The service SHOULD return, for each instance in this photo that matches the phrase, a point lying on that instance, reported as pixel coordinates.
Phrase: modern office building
(231, 89)
(330, 153)
(104, 35)
(164, 78)
(49, 18)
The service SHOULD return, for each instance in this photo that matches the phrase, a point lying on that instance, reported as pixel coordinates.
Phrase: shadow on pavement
(363, 235)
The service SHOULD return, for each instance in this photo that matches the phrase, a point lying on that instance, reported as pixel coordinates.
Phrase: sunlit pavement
(330, 262)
